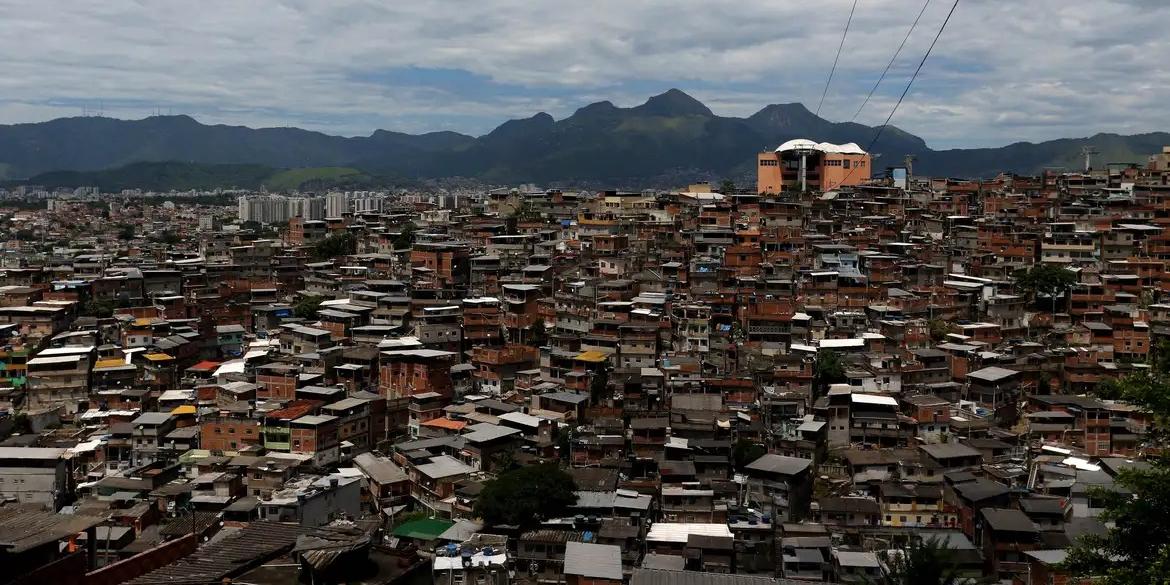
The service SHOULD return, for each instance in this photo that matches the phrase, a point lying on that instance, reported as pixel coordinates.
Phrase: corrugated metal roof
(229, 556)
(598, 561)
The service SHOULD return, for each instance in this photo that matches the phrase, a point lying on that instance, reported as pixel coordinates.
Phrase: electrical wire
(913, 77)
(837, 58)
(892, 60)
(910, 83)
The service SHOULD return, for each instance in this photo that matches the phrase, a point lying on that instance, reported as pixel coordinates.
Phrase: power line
(913, 77)
(882, 128)
(837, 58)
(892, 60)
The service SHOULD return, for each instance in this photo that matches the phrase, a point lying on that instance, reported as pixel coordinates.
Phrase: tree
(938, 329)
(405, 237)
(526, 496)
(599, 384)
(167, 237)
(125, 232)
(538, 332)
(100, 308)
(827, 370)
(925, 562)
(1160, 357)
(339, 244)
(1046, 280)
(1136, 550)
(745, 451)
(1043, 387)
(727, 187)
(307, 307)
(526, 212)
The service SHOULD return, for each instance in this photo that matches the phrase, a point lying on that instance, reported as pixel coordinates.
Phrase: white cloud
(1004, 70)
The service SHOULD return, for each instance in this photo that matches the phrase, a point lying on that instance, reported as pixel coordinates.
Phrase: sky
(1003, 71)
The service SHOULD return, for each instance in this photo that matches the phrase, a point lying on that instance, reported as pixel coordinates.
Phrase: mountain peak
(602, 107)
(674, 102)
(790, 113)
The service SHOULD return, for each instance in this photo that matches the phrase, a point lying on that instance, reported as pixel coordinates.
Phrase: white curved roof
(805, 144)
(797, 144)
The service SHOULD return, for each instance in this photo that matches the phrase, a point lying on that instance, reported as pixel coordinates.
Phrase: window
(845, 163)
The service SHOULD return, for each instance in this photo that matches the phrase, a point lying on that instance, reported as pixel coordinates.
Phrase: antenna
(1088, 152)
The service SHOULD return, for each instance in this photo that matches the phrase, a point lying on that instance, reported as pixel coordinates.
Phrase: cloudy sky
(1004, 70)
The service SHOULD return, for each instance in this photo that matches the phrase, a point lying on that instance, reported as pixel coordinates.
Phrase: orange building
(229, 433)
(804, 165)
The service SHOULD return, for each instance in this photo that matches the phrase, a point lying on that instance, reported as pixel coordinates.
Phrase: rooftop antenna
(1088, 152)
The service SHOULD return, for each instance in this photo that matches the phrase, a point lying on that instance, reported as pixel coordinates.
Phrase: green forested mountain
(672, 134)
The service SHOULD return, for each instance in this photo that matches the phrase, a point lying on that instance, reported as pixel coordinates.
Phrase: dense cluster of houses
(766, 386)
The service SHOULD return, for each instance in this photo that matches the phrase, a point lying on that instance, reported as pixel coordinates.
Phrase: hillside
(670, 136)
(182, 176)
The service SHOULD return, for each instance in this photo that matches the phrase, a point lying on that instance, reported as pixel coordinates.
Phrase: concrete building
(38, 476)
(804, 165)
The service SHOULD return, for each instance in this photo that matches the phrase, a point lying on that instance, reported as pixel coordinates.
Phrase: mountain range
(671, 136)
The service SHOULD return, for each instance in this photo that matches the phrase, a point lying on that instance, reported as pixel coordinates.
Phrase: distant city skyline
(1004, 71)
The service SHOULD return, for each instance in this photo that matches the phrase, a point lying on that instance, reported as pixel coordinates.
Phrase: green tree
(307, 307)
(100, 308)
(925, 562)
(938, 329)
(827, 370)
(727, 187)
(1046, 280)
(1043, 387)
(745, 451)
(526, 211)
(599, 384)
(1160, 358)
(167, 237)
(526, 496)
(125, 232)
(1136, 549)
(335, 245)
(537, 333)
(405, 236)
